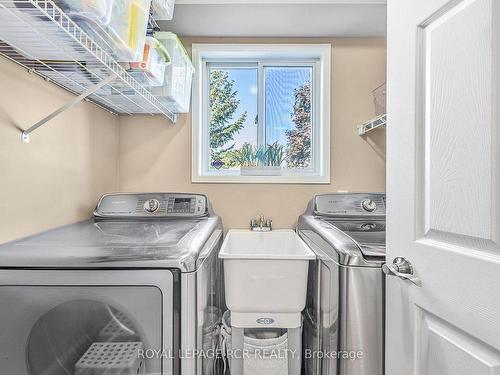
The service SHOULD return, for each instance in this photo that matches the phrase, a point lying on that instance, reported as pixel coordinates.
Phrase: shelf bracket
(25, 137)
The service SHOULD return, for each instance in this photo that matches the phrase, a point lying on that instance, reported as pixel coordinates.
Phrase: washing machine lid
(174, 243)
(348, 228)
(369, 235)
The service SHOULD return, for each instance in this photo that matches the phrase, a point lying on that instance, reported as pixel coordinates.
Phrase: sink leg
(294, 350)
(237, 346)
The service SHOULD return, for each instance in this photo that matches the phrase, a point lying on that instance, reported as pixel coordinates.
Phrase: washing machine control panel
(350, 205)
(152, 205)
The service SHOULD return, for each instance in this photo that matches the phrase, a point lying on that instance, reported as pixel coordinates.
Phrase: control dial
(369, 205)
(151, 205)
(367, 227)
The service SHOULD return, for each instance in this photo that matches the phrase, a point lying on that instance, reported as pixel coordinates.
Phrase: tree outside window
(286, 137)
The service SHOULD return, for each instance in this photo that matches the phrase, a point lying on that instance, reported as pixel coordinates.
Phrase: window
(261, 113)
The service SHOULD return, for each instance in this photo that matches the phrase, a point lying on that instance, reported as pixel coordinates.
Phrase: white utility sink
(265, 276)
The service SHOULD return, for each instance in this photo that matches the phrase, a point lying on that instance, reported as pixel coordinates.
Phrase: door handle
(403, 269)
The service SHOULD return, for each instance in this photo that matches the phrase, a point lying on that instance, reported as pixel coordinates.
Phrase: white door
(444, 186)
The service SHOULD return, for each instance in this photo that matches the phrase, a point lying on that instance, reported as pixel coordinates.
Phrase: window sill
(299, 180)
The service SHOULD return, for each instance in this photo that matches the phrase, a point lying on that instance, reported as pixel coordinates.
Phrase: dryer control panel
(148, 205)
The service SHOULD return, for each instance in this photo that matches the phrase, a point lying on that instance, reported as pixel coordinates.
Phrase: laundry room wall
(156, 155)
(57, 178)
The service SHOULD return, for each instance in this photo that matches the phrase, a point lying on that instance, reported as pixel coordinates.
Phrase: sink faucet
(261, 225)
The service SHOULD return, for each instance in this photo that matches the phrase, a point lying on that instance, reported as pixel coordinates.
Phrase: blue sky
(280, 85)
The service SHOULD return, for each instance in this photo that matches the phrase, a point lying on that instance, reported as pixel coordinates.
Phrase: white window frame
(316, 55)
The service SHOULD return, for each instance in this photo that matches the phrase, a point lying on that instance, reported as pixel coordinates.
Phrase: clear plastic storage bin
(98, 11)
(127, 27)
(163, 9)
(122, 32)
(175, 93)
(150, 71)
(379, 100)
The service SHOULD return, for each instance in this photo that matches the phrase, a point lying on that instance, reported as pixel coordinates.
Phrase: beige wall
(156, 156)
(57, 178)
(70, 162)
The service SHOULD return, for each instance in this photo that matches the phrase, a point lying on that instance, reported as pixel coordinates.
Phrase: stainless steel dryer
(344, 316)
(135, 288)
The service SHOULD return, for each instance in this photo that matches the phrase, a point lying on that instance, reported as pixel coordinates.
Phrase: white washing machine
(136, 289)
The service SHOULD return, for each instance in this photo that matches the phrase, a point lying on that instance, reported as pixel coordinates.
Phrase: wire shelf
(42, 38)
(375, 123)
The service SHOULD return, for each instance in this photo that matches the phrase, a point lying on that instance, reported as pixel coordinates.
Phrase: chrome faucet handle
(261, 224)
(269, 224)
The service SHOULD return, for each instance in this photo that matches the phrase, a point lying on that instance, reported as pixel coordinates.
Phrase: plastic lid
(155, 43)
(165, 35)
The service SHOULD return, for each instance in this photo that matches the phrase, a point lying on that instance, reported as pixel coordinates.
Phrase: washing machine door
(62, 322)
